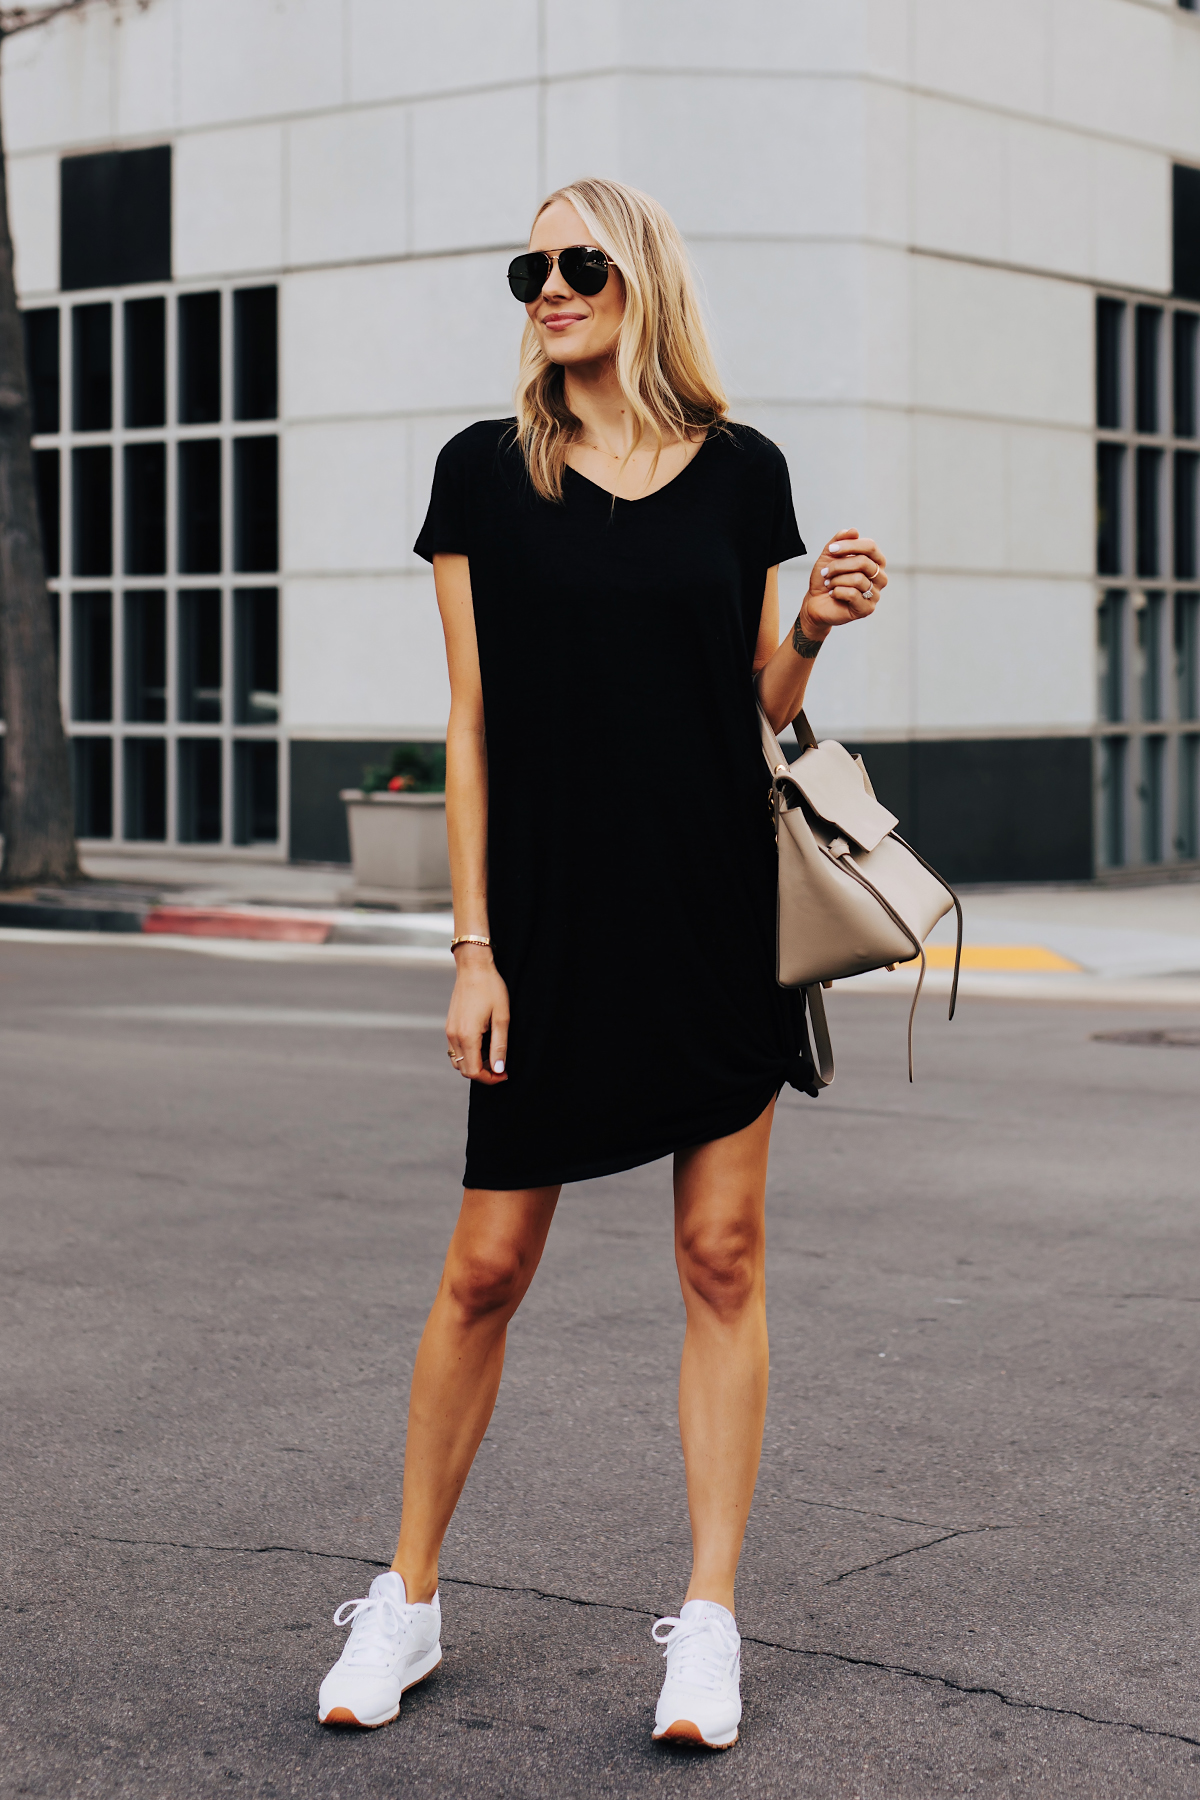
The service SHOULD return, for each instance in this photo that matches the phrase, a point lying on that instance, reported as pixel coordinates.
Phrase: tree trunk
(38, 814)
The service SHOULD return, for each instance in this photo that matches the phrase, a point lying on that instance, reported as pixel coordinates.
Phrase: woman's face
(573, 328)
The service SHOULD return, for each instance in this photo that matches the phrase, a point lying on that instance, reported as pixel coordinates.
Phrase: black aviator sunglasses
(582, 267)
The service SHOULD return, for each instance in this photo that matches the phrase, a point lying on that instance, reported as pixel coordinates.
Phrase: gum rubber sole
(341, 1715)
(683, 1731)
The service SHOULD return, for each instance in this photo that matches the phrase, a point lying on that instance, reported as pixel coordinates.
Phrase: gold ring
(455, 1059)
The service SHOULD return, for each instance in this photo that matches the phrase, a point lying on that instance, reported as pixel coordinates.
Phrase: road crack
(947, 1537)
(978, 1690)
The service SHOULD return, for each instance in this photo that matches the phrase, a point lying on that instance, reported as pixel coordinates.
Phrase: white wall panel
(146, 69)
(1003, 344)
(960, 493)
(959, 178)
(585, 131)
(1110, 67)
(1185, 86)
(58, 86)
(365, 653)
(975, 49)
(804, 321)
(793, 165)
(344, 504)
(711, 34)
(228, 201)
(1132, 200)
(421, 336)
(246, 59)
(1050, 198)
(971, 673)
(402, 47)
(475, 170)
(1051, 523)
(33, 219)
(863, 679)
(347, 181)
(849, 466)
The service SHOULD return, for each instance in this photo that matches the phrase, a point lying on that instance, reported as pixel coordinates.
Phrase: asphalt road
(972, 1565)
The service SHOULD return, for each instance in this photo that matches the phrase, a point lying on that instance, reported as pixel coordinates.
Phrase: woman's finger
(471, 1047)
(498, 1049)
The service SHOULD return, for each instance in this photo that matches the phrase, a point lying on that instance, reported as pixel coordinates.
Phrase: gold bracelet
(470, 938)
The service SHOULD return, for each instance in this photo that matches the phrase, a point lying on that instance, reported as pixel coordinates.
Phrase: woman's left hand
(846, 581)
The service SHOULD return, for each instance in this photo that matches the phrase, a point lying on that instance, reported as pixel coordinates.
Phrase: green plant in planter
(413, 769)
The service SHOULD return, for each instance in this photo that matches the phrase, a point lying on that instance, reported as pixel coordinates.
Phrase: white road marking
(329, 1019)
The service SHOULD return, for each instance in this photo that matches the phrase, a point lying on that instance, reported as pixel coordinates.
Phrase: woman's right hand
(479, 1004)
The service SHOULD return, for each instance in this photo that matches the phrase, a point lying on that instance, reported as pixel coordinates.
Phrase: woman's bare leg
(720, 1252)
(492, 1259)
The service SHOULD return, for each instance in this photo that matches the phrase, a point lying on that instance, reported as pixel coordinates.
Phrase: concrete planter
(399, 850)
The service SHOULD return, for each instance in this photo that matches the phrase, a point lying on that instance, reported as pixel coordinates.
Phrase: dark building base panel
(318, 773)
(991, 809)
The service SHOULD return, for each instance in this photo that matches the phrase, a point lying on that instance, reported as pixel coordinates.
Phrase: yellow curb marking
(1021, 959)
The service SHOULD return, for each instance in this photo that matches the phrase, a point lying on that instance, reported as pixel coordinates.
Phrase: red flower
(398, 782)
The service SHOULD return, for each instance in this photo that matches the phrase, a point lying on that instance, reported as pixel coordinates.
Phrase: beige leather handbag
(852, 894)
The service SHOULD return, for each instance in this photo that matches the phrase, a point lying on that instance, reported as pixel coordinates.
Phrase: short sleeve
(445, 529)
(786, 541)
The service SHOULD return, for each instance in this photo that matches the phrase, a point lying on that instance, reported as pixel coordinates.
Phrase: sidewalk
(1134, 944)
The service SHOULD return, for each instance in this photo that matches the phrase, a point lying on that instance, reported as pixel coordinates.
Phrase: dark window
(146, 658)
(49, 490)
(91, 658)
(256, 505)
(91, 328)
(1148, 331)
(200, 657)
(145, 509)
(199, 359)
(1110, 646)
(199, 790)
(255, 793)
(1110, 317)
(1186, 231)
(255, 354)
(145, 772)
(91, 768)
(1150, 796)
(1187, 841)
(200, 507)
(145, 363)
(1186, 326)
(1150, 656)
(1187, 655)
(1112, 800)
(255, 656)
(91, 507)
(1186, 464)
(116, 218)
(1110, 465)
(1149, 481)
(41, 358)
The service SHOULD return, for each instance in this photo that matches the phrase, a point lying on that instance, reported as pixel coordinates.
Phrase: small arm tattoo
(802, 644)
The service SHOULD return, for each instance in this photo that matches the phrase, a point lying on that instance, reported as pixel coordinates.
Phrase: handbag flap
(834, 784)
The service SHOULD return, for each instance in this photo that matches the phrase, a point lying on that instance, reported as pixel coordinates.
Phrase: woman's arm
(846, 582)
(480, 999)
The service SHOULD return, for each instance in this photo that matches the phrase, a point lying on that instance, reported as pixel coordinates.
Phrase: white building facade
(951, 255)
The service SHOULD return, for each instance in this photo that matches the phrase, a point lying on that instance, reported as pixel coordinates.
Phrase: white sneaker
(391, 1647)
(701, 1700)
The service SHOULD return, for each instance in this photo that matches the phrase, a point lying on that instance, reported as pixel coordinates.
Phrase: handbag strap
(822, 1048)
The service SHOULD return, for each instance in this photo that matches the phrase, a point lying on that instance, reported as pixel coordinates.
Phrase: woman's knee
(721, 1262)
(483, 1279)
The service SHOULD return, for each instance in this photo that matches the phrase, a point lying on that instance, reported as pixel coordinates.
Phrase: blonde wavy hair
(663, 361)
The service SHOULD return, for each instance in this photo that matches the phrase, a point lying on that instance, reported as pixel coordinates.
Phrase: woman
(607, 573)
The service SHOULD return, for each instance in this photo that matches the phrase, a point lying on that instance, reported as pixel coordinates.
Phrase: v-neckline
(654, 492)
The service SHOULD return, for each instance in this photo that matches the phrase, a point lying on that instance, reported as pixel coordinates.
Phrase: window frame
(171, 433)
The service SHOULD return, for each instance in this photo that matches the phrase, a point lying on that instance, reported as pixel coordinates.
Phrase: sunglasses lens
(527, 275)
(584, 269)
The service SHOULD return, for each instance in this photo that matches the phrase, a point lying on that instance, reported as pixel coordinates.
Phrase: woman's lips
(560, 321)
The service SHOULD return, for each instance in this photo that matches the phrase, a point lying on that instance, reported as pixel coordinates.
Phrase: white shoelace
(698, 1651)
(375, 1624)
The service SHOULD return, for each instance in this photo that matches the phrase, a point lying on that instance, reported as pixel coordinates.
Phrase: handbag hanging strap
(822, 1048)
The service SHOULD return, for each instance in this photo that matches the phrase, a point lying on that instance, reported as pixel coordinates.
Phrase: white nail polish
(498, 1068)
